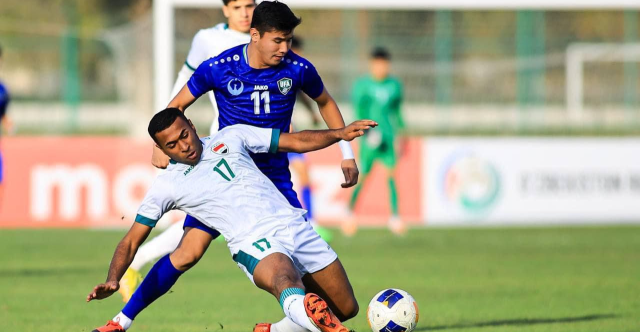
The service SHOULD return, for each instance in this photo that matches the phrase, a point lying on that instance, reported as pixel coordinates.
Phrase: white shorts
(298, 240)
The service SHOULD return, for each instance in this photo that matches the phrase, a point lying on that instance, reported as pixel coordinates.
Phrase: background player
(206, 44)
(378, 96)
(4, 122)
(209, 178)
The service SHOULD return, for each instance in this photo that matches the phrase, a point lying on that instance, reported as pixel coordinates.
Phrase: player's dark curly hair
(271, 16)
(163, 120)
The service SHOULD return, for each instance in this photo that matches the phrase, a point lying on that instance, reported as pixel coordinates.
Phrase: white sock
(159, 246)
(123, 320)
(293, 307)
(287, 325)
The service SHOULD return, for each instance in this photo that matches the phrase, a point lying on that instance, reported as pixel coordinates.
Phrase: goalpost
(164, 11)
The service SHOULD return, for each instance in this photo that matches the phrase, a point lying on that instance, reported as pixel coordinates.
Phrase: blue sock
(306, 200)
(157, 282)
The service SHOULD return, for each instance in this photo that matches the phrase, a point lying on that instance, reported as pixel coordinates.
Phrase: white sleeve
(258, 140)
(183, 77)
(198, 52)
(156, 203)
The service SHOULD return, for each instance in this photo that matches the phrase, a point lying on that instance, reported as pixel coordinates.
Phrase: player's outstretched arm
(311, 140)
(122, 257)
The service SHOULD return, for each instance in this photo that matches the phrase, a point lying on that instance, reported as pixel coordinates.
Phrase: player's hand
(158, 158)
(356, 129)
(350, 171)
(102, 291)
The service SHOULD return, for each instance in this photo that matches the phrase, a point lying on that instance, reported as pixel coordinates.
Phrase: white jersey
(208, 43)
(225, 190)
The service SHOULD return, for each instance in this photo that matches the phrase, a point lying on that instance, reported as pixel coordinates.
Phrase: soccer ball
(392, 310)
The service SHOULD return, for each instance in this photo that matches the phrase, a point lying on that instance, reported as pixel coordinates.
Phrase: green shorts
(384, 153)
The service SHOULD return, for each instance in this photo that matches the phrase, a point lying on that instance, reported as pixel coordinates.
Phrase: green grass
(540, 279)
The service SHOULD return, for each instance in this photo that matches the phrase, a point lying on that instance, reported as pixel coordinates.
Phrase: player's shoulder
(210, 33)
(229, 57)
(296, 62)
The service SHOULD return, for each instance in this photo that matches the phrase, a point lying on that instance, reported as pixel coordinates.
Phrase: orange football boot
(262, 327)
(320, 314)
(110, 327)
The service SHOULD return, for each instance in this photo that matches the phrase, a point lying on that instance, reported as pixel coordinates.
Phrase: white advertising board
(506, 181)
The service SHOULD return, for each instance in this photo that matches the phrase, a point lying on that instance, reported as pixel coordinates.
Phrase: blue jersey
(258, 97)
(4, 100)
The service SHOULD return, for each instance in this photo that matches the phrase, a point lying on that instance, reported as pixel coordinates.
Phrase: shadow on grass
(516, 322)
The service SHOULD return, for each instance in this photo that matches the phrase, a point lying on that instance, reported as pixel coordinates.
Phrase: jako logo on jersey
(220, 148)
(188, 170)
(285, 85)
(235, 87)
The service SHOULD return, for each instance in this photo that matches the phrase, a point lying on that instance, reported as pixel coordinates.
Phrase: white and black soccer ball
(392, 310)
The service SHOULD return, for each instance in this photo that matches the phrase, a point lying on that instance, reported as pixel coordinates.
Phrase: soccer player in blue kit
(254, 84)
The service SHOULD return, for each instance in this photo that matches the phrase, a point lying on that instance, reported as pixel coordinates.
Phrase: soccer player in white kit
(216, 180)
(206, 44)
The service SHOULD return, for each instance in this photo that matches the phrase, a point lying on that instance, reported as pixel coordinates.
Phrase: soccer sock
(123, 320)
(393, 196)
(287, 325)
(159, 246)
(306, 200)
(157, 282)
(292, 302)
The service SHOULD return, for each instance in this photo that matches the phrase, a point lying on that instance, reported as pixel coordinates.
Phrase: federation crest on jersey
(220, 148)
(235, 87)
(284, 85)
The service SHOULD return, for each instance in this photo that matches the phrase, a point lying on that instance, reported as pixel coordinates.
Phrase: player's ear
(225, 11)
(192, 126)
(255, 34)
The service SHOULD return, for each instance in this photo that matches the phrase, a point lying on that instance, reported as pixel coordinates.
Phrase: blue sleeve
(4, 101)
(202, 79)
(311, 82)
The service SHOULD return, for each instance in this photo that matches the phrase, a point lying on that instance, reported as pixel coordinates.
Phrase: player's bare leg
(276, 274)
(333, 285)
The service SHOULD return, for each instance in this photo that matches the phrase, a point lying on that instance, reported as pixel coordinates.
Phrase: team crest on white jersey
(235, 87)
(220, 148)
(284, 85)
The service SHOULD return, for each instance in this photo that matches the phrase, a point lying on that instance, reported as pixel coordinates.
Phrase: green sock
(393, 196)
(354, 197)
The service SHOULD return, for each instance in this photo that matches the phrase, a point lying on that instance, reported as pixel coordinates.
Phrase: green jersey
(379, 101)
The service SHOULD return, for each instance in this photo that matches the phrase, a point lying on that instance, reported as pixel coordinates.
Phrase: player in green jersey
(378, 96)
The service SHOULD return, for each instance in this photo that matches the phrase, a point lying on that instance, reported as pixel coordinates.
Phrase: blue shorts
(190, 221)
(295, 156)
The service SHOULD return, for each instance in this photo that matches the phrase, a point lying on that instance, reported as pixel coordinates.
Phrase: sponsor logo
(470, 182)
(220, 148)
(235, 87)
(261, 87)
(284, 85)
(188, 170)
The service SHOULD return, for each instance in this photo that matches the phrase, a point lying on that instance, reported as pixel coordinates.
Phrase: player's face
(380, 68)
(272, 46)
(180, 142)
(239, 14)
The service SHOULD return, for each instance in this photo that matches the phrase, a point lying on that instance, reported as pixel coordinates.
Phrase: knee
(185, 259)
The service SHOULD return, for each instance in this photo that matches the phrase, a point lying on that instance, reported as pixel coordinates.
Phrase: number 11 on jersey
(256, 97)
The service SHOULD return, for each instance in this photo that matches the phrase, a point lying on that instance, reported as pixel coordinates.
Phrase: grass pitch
(536, 279)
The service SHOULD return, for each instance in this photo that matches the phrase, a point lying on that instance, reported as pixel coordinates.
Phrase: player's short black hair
(274, 16)
(226, 2)
(380, 53)
(297, 42)
(163, 120)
